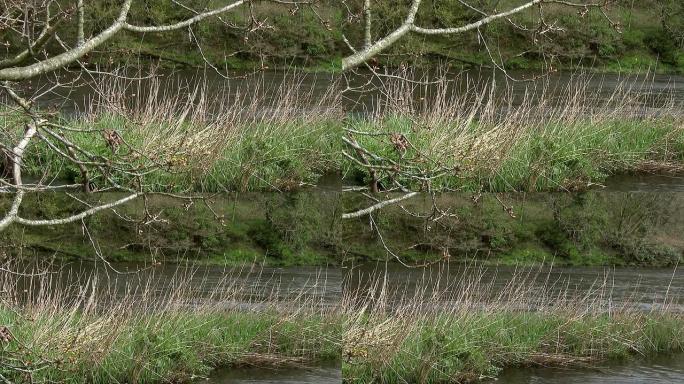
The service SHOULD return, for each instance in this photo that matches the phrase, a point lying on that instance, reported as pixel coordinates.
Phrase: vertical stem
(81, 22)
(367, 15)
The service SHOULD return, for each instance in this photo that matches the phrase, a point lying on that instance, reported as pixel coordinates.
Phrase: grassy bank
(467, 333)
(459, 135)
(551, 138)
(144, 336)
(199, 138)
(63, 329)
(591, 228)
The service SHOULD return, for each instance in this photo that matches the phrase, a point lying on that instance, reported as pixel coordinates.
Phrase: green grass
(144, 337)
(467, 331)
(533, 156)
(166, 347)
(276, 156)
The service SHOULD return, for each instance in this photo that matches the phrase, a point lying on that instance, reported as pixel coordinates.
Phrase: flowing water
(643, 288)
(232, 287)
(652, 91)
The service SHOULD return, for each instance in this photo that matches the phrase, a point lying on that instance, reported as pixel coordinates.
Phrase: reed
(463, 134)
(463, 331)
(95, 329)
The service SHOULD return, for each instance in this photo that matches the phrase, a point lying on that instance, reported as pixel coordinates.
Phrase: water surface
(315, 375)
(606, 288)
(657, 370)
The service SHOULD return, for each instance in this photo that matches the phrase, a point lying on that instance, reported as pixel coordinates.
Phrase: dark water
(362, 92)
(604, 288)
(242, 288)
(316, 375)
(658, 370)
(646, 183)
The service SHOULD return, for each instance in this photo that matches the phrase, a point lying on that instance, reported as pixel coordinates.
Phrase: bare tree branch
(380, 205)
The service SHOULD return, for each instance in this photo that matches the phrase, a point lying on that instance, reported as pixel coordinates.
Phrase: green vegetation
(142, 338)
(253, 228)
(553, 140)
(563, 139)
(478, 345)
(479, 333)
(592, 228)
(312, 38)
(263, 137)
(77, 332)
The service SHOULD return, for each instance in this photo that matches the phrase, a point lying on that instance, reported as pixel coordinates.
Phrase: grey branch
(408, 26)
(79, 216)
(184, 23)
(81, 21)
(17, 155)
(368, 16)
(377, 206)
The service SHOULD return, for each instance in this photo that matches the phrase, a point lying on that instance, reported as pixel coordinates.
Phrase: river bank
(159, 326)
(437, 329)
(77, 332)
(592, 228)
(249, 229)
(459, 134)
(311, 37)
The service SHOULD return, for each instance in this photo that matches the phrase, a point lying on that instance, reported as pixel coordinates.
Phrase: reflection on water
(660, 370)
(645, 183)
(317, 375)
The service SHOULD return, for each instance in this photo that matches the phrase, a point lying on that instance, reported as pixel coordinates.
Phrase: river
(656, 370)
(650, 91)
(641, 288)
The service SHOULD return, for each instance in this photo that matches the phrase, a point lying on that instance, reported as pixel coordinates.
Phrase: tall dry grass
(207, 135)
(548, 135)
(440, 329)
(102, 328)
